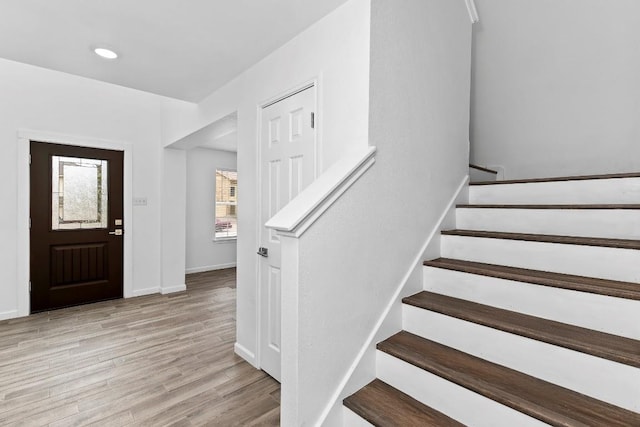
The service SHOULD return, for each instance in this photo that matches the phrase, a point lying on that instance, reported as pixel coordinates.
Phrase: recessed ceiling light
(105, 53)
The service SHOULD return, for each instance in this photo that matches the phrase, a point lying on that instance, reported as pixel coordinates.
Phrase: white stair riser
(603, 379)
(351, 419)
(591, 261)
(597, 191)
(606, 223)
(457, 402)
(616, 316)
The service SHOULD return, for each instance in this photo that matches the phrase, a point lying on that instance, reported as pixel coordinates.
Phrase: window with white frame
(226, 218)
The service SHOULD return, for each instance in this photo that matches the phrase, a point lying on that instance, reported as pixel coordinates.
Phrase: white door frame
(314, 83)
(25, 136)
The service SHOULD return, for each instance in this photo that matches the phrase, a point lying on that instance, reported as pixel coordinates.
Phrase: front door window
(79, 193)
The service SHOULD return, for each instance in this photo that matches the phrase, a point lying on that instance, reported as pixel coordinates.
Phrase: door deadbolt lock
(263, 252)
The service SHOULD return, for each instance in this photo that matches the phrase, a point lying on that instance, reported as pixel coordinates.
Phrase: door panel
(288, 165)
(274, 309)
(76, 208)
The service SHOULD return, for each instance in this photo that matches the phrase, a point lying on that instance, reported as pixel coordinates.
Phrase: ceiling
(181, 49)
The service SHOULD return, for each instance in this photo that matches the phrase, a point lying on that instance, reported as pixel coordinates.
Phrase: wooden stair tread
(539, 399)
(593, 285)
(612, 347)
(574, 206)
(560, 179)
(546, 238)
(382, 405)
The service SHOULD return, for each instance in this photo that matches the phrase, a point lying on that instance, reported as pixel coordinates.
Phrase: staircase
(531, 317)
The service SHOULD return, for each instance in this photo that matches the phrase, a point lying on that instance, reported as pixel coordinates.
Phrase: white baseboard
(247, 355)
(209, 268)
(5, 315)
(172, 289)
(146, 291)
(369, 346)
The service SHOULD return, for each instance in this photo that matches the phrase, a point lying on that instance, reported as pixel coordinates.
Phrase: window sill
(225, 239)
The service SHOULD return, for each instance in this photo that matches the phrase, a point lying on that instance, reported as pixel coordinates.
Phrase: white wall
(354, 258)
(335, 50)
(49, 101)
(173, 224)
(556, 88)
(203, 253)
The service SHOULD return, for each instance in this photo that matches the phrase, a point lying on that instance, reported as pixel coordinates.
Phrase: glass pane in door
(79, 199)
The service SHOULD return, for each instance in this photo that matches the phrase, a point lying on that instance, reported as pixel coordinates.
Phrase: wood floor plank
(119, 419)
(269, 419)
(45, 415)
(109, 418)
(242, 408)
(153, 360)
(52, 382)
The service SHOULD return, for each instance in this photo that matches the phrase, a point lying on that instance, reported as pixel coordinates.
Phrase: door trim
(316, 84)
(25, 136)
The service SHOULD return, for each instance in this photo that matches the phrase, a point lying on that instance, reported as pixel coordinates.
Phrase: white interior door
(288, 165)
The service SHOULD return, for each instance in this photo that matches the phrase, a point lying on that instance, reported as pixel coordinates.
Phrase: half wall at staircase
(351, 261)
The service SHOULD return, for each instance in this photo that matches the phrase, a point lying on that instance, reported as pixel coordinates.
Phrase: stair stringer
(363, 369)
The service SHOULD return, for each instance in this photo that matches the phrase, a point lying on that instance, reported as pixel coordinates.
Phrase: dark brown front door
(76, 225)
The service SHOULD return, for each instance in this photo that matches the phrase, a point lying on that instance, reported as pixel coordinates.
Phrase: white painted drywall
(352, 260)
(49, 101)
(203, 253)
(335, 50)
(556, 88)
(174, 201)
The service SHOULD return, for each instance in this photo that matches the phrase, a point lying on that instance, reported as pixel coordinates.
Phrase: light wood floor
(154, 360)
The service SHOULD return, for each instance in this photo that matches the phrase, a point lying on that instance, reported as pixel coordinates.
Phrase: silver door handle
(117, 232)
(263, 252)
